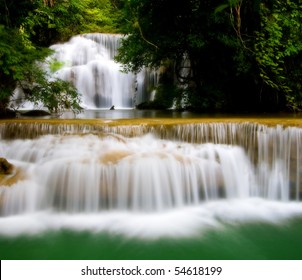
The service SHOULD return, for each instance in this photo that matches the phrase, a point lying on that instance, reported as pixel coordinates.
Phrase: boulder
(9, 175)
(35, 113)
(7, 180)
(6, 168)
(7, 114)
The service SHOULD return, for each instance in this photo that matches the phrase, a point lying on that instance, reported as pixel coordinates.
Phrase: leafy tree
(222, 54)
(278, 48)
(56, 95)
(19, 67)
(228, 54)
(17, 56)
(208, 42)
(61, 19)
(19, 62)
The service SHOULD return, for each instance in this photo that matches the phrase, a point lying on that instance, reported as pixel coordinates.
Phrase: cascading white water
(88, 62)
(89, 174)
(108, 181)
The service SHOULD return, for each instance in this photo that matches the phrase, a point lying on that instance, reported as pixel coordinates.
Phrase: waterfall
(88, 62)
(211, 169)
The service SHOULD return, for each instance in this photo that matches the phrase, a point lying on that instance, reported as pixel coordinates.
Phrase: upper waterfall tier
(88, 62)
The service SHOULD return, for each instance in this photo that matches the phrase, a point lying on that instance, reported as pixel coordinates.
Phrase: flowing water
(218, 190)
(88, 62)
(186, 191)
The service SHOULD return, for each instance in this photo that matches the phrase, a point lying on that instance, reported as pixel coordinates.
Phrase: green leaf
(221, 8)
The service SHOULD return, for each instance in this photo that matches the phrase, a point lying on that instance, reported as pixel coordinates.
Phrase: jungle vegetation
(214, 55)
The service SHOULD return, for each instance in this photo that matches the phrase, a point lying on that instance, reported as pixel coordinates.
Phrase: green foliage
(20, 54)
(278, 49)
(223, 47)
(223, 54)
(164, 97)
(56, 96)
(136, 54)
(17, 56)
(18, 60)
(200, 41)
(14, 12)
(49, 24)
(55, 65)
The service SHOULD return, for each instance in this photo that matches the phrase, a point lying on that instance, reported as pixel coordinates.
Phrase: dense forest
(213, 55)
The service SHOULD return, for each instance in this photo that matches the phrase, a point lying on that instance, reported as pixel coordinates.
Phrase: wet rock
(113, 157)
(9, 175)
(11, 179)
(7, 114)
(5, 167)
(35, 113)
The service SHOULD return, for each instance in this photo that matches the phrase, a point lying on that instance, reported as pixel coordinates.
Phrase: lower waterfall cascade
(148, 180)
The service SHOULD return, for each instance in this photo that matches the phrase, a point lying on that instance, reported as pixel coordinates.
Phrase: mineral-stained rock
(6, 168)
(113, 157)
(9, 174)
(11, 179)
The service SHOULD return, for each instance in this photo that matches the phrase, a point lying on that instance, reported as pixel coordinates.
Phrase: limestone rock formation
(6, 168)
(9, 174)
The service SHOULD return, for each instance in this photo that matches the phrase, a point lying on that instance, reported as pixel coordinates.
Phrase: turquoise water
(245, 241)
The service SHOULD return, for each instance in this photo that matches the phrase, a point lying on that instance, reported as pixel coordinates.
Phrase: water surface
(247, 242)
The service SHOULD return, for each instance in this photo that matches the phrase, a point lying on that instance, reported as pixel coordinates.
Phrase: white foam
(184, 222)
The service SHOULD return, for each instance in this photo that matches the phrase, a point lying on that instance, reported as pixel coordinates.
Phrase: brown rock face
(6, 168)
(9, 174)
